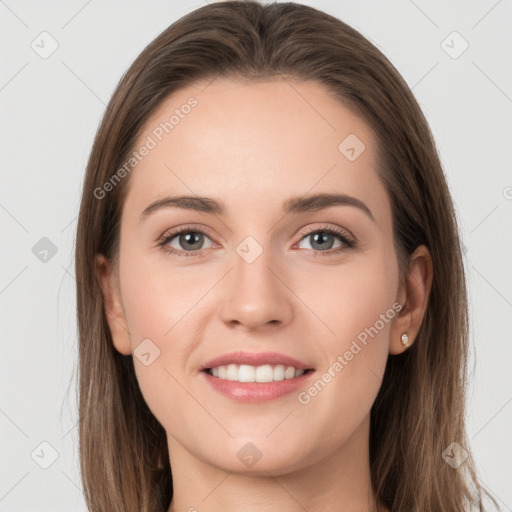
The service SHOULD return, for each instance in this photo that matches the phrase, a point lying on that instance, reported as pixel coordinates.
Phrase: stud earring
(405, 339)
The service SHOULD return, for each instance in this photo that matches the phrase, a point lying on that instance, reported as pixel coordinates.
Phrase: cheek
(162, 307)
(352, 299)
(156, 305)
(157, 298)
(357, 306)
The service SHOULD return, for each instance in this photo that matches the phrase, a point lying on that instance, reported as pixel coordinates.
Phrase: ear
(113, 306)
(413, 296)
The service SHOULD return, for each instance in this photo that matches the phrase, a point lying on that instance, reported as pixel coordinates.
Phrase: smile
(248, 373)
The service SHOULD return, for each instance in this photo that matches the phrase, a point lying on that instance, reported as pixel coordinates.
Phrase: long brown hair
(420, 408)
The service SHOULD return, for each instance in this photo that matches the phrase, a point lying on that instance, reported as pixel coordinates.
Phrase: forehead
(254, 143)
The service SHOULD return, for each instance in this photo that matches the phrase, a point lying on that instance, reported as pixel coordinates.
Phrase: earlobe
(113, 305)
(413, 296)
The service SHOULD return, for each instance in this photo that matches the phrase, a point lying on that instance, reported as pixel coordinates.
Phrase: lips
(255, 392)
(236, 375)
(255, 359)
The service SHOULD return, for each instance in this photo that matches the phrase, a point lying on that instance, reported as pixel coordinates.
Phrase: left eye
(324, 240)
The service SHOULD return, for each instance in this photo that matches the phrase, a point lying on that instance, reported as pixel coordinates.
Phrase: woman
(247, 371)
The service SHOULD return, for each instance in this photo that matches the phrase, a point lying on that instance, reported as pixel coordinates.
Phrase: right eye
(190, 239)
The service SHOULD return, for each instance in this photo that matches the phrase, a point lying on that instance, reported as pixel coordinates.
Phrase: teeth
(231, 372)
(289, 373)
(247, 373)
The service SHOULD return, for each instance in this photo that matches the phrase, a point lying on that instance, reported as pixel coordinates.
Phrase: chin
(259, 458)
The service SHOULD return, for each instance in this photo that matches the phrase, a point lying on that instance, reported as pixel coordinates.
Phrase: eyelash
(341, 235)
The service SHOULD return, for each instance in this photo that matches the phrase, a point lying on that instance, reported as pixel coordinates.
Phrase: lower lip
(255, 392)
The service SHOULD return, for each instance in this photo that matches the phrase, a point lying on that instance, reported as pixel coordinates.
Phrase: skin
(254, 146)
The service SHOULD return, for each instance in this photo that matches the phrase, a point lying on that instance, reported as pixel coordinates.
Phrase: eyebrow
(298, 204)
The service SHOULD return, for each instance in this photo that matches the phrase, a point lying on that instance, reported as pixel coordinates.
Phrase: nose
(257, 295)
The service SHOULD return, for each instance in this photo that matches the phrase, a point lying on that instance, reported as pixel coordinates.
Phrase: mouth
(261, 374)
(255, 377)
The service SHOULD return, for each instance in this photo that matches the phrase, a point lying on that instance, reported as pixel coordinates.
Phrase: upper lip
(254, 359)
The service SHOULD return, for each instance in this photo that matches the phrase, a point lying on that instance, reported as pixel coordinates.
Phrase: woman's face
(257, 269)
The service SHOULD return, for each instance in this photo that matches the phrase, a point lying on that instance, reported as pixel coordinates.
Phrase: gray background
(50, 109)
